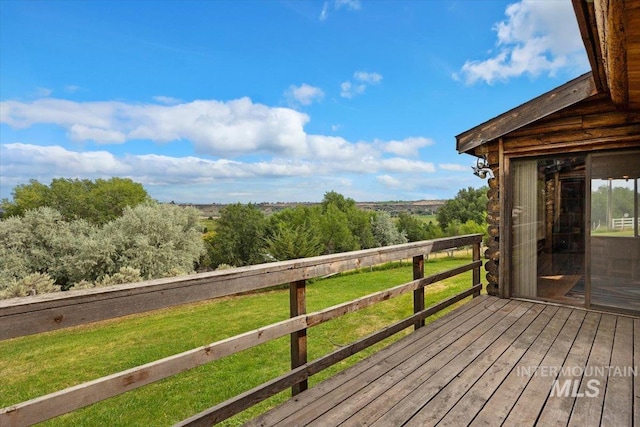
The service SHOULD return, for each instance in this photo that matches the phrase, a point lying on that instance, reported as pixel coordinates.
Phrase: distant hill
(418, 207)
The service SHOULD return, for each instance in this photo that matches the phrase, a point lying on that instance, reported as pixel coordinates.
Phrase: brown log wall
(594, 124)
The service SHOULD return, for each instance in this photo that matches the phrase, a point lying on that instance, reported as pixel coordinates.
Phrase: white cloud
(370, 78)
(167, 100)
(389, 181)
(71, 88)
(105, 136)
(350, 89)
(398, 164)
(407, 147)
(536, 37)
(352, 5)
(454, 167)
(25, 161)
(217, 128)
(303, 95)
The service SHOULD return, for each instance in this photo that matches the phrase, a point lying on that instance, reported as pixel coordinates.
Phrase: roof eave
(555, 100)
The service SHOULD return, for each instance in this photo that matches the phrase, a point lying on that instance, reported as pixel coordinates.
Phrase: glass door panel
(614, 238)
(548, 229)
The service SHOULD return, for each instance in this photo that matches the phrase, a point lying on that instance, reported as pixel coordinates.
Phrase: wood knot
(58, 319)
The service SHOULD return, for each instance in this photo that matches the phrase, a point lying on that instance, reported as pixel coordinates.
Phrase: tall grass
(36, 365)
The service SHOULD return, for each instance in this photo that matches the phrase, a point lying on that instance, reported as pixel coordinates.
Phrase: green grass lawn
(208, 224)
(613, 233)
(428, 218)
(36, 365)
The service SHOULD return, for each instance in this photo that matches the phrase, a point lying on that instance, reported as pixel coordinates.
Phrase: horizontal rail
(75, 397)
(72, 398)
(249, 398)
(41, 313)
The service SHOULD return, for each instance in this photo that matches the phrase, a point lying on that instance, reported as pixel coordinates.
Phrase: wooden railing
(622, 223)
(37, 314)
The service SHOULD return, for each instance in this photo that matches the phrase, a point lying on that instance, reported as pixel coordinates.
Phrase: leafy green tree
(294, 233)
(292, 242)
(239, 238)
(97, 202)
(412, 227)
(621, 203)
(358, 223)
(469, 204)
(156, 240)
(385, 231)
(336, 235)
(26, 197)
(159, 240)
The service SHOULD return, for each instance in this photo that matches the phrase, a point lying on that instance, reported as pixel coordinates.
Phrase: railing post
(298, 306)
(476, 270)
(418, 294)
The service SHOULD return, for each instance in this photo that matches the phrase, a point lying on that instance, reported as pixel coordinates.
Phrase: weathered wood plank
(343, 383)
(342, 404)
(368, 300)
(432, 404)
(618, 399)
(418, 294)
(464, 411)
(588, 411)
(24, 316)
(557, 410)
(568, 94)
(497, 408)
(298, 347)
(568, 139)
(531, 402)
(382, 394)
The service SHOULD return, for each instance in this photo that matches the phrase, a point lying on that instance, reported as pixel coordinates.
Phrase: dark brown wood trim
(505, 223)
(585, 15)
(564, 96)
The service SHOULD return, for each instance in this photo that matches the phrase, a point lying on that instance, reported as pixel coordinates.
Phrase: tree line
(81, 234)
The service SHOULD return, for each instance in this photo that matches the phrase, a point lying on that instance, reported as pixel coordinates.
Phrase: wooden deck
(490, 362)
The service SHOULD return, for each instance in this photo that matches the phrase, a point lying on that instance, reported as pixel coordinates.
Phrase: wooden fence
(31, 315)
(622, 223)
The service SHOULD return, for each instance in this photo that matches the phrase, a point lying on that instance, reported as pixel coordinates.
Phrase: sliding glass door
(614, 239)
(548, 229)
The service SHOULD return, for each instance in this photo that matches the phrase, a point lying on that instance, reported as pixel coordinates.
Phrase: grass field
(428, 218)
(36, 365)
(208, 224)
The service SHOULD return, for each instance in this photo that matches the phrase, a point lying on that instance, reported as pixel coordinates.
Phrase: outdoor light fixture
(482, 169)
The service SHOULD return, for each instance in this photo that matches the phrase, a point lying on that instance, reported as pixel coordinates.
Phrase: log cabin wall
(594, 124)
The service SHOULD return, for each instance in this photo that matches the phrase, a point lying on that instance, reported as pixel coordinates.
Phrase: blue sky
(252, 101)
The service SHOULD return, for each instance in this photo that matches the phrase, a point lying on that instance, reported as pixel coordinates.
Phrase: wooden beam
(297, 307)
(585, 16)
(418, 294)
(31, 315)
(564, 96)
(611, 24)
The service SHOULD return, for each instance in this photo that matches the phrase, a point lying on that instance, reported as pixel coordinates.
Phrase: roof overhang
(610, 30)
(611, 35)
(561, 97)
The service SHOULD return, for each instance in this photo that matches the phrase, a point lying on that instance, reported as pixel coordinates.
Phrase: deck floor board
(489, 362)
